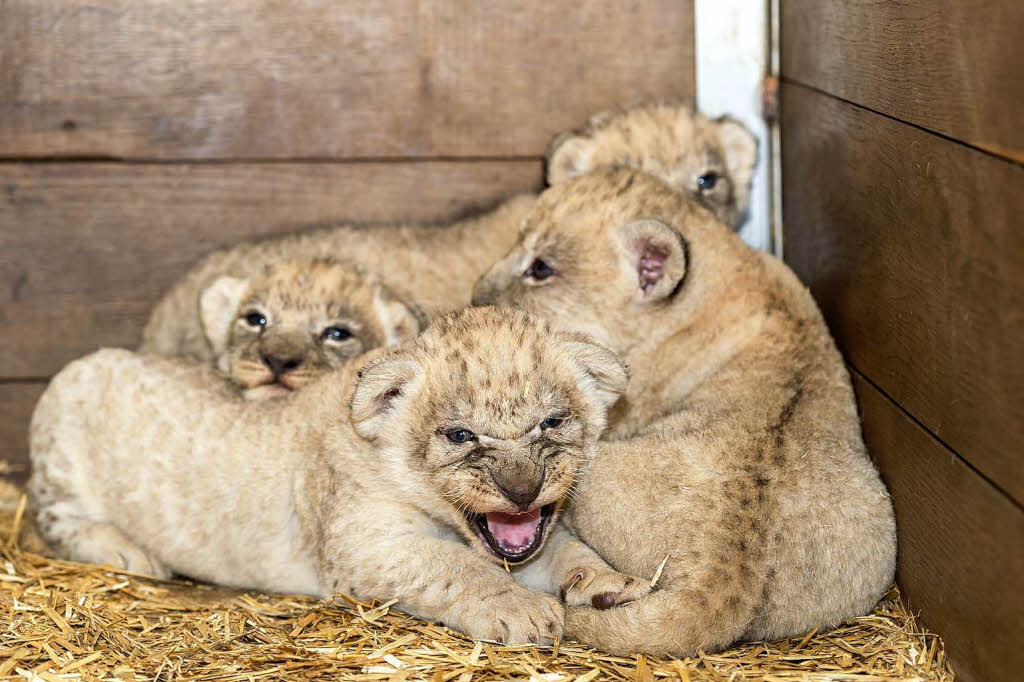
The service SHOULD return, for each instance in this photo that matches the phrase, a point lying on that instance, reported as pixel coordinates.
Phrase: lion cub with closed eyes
(412, 477)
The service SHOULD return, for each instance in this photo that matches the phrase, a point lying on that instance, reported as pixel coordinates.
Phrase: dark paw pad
(604, 600)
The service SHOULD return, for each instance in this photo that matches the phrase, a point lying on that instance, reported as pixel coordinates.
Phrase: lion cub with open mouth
(302, 317)
(411, 477)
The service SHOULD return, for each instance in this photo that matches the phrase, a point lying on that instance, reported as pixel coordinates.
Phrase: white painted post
(732, 61)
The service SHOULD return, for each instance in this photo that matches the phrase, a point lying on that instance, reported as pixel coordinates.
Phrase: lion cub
(709, 160)
(413, 476)
(736, 454)
(299, 318)
(436, 266)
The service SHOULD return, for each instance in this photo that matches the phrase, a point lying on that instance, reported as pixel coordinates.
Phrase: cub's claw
(602, 589)
(513, 617)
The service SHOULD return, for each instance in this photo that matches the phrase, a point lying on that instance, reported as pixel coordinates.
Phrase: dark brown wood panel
(953, 66)
(87, 249)
(343, 79)
(913, 246)
(16, 403)
(961, 543)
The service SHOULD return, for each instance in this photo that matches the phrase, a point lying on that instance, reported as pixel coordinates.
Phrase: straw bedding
(60, 620)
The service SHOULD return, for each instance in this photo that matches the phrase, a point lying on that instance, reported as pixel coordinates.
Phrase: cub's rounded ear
(218, 306)
(569, 157)
(740, 148)
(400, 320)
(602, 373)
(381, 384)
(654, 255)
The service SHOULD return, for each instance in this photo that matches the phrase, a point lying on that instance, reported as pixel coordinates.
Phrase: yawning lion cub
(412, 478)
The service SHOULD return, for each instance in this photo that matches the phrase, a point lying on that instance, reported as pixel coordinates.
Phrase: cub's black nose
(281, 364)
(521, 490)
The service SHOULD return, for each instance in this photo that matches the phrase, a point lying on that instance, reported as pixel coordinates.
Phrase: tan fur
(298, 319)
(437, 266)
(351, 485)
(433, 266)
(736, 451)
(669, 141)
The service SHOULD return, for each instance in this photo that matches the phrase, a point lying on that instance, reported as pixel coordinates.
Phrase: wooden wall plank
(17, 400)
(953, 66)
(961, 543)
(912, 245)
(87, 249)
(345, 79)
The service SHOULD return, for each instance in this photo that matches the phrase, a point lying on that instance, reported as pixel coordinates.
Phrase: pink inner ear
(651, 265)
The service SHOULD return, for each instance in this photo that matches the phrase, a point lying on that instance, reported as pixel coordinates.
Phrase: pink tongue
(514, 531)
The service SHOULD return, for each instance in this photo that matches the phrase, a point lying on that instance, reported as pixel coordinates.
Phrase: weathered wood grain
(17, 400)
(344, 79)
(87, 249)
(913, 248)
(952, 66)
(961, 543)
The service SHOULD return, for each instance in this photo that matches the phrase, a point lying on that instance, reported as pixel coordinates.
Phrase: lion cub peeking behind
(275, 332)
(412, 477)
(708, 160)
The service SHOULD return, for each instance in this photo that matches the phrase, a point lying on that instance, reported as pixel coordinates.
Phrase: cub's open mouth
(513, 537)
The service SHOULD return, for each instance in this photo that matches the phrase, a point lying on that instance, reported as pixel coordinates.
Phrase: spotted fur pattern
(736, 452)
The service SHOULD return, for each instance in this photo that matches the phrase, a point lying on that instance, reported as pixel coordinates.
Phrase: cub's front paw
(515, 617)
(602, 588)
(103, 543)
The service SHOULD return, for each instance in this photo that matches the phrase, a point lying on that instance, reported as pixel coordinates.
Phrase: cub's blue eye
(551, 422)
(707, 181)
(337, 333)
(539, 270)
(461, 436)
(255, 319)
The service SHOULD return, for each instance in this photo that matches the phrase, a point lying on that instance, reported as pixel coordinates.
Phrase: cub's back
(176, 460)
(111, 420)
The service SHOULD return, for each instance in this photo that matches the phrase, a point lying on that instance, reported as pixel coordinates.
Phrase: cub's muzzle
(521, 488)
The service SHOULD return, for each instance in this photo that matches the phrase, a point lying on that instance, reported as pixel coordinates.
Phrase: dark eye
(539, 270)
(460, 436)
(337, 334)
(552, 422)
(255, 319)
(707, 181)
